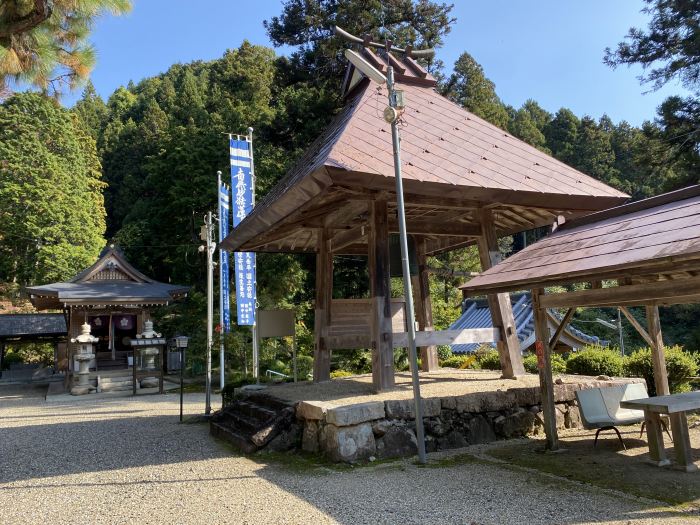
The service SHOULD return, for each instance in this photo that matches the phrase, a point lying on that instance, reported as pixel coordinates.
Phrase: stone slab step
(238, 440)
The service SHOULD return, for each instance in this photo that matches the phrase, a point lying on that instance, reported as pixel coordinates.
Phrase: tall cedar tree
(44, 42)
(52, 216)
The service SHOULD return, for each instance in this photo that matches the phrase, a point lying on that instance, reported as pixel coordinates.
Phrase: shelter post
(544, 365)
(424, 307)
(499, 304)
(322, 316)
(657, 351)
(380, 297)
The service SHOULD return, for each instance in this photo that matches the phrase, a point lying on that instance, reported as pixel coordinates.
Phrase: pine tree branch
(41, 12)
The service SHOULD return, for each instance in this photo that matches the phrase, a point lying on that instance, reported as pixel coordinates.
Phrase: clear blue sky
(548, 50)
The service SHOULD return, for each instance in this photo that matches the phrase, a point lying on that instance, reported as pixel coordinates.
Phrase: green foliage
(45, 43)
(305, 367)
(30, 353)
(457, 361)
(444, 352)
(680, 365)
(595, 361)
(489, 360)
(558, 364)
(341, 373)
(52, 215)
(11, 358)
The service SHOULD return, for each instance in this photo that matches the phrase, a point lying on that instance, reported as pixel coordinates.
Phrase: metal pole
(410, 316)
(210, 310)
(619, 326)
(221, 295)
(254, 329)
(294, 356)
(182, 379)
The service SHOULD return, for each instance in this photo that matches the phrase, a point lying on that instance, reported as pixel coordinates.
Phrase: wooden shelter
(647, 251)
(114, 298)
(465, 182)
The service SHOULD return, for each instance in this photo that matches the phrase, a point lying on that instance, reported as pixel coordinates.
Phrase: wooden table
(676, 407)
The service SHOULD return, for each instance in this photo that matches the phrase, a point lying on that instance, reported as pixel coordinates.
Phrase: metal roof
(22, 325)
(447, 153)
(476, 314)
(659, 236)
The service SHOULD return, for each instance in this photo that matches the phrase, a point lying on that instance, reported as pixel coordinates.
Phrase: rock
(372, 459)
(520, 423)
(449, 403)
(380, 427)
(355, 414)
(309, 436)
(560, 413)
(572, 418)
(603, 378)
(526, 396)
(287, 439)
(397, 442)
(558, 381)
(535, 409)
(312, 409)
(435, 426)
(405, 408)
(452, 440)
(150, 382)
(480, 431)
(486, 401)
(348, 444)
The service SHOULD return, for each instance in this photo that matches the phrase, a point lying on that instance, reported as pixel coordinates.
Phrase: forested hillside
(161, 141)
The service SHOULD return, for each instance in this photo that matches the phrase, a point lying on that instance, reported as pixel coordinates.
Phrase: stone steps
(253, 423)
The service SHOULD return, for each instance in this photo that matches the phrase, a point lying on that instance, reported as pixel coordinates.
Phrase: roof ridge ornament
(366, 42)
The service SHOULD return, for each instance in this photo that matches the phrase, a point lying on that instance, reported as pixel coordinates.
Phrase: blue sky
(547, 50)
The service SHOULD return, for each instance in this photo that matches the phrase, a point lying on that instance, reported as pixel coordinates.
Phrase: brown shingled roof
(447, 153)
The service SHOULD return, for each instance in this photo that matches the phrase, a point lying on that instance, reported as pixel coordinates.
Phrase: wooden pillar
(544, 365)
(380, 297)
(322, 313)
(424, 307)
(657, 351)
(499, 304)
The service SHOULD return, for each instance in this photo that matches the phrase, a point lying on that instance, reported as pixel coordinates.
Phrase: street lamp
(180, 342)
(392, 115)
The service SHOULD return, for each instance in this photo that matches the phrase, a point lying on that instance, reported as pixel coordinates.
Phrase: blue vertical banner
(224, 275)
(242, 203)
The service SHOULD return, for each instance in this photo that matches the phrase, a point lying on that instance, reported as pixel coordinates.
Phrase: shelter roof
(112, 280)
(33, 325)
(453, 163)
(652, 239)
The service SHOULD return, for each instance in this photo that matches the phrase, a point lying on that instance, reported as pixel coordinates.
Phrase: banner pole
(256, 350)
(222, 329)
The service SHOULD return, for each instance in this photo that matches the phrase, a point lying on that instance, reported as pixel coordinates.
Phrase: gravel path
(129, 461)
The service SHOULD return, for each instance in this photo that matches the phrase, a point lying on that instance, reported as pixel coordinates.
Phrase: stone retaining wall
(385, 429)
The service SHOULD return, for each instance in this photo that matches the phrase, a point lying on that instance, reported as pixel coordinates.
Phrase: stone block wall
(386, 429)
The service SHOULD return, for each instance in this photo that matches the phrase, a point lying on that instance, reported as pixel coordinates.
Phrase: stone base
(150, 382)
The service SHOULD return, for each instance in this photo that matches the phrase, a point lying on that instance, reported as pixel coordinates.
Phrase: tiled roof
(476, 314)
(18, 325)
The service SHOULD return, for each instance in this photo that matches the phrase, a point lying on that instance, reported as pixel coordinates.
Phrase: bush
(490, 360)
(9, 359)
(305, 367)
(558, 364)
(595, 361)
(679, 365)
(341, 373)
(444, 352)
(457, 361)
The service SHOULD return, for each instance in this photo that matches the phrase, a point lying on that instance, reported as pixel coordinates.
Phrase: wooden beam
(448, 337)
(640, 329)
(424, 307)
(669, 292)
(544, 365)
(380, 297)
(346, 238)
(438, 228)
(560, 329)
(499, 304)
(322, 313)
(657, 351)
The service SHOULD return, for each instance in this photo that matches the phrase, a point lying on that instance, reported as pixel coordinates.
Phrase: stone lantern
(149, 353)
(85, 354)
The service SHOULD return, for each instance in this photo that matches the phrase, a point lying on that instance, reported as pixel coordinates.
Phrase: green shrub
(490, 360)
(305, 367)
(558, 364)
(341, 373)
(456, 361)
(444, 352)
(595, 361)
(11, 358)
(679, 365)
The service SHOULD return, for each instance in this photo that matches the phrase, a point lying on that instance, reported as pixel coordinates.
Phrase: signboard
(242, 204)
(276, 323)
(224, 274)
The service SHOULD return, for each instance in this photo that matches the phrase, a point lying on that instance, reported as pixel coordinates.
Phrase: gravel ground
(128, 460)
